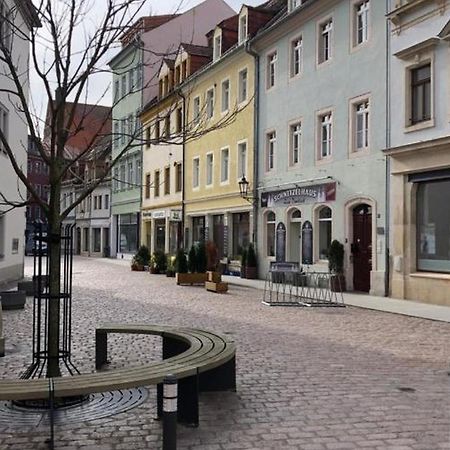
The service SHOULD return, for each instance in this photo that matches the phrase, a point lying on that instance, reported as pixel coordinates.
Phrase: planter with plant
(141, 259)
(158, 262)
(170, 271)
(251, 266)
(336, 266)
(243, 262)
(196, 265)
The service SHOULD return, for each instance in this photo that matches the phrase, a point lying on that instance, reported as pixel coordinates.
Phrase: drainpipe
(183, 97)
(255, 55)
(387, 271)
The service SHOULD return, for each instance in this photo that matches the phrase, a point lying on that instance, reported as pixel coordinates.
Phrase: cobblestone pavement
(312, 379)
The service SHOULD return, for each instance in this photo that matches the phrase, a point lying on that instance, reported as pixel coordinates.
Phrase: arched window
(296, 215)
(325, 226)
(270, 233)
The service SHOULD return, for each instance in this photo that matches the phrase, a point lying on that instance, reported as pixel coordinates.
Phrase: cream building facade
(419, 151)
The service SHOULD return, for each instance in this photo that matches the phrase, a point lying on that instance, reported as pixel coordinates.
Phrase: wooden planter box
(220, 288)
(191, 278)
(215, 277)
(137, 268)
(13, 299)
(251, 273)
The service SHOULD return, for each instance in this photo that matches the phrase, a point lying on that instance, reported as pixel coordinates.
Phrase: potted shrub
(211, 256)
(336, 266)
(251, 266)
(243, 262)
(140, 259)
(170, 271)
(159, 262)
(196, 265)
(202, 260)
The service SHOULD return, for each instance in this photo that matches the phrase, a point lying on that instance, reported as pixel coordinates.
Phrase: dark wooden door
(362, 247)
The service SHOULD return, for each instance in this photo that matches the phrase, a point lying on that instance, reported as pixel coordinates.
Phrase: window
(138, 172)
(157, 183)
(179, 120)
(326, 129)
(97, 233)
(325, 223)
(242, 94)
(433, 225)
(271, 68)
(106, 201)
(224, 165)
(147, 185)
(116, 143)
(122, 130)
(122, 176)
(130, 179)
(209, 169)
(2, 235)
(86, 239)
(196, 110)
(270, 233)
(271, 140)
(196, 172)
(148, 138)
(225, 95)
(116, 90)
(361, 22)
(167, 126)
(210, 103)
(130, 80)
(241, 233)
(242, 29)
(296, 56)
(99, 202)
(128, 233)
(242, 160)
(295, 143)
(124, 85)
(421, 94)
(217, 47)
(157, 130)
(167, 180)
(178, 177)
(137, 77)
(116, 180)
(4, 125)
(325, 41)
(361, 121)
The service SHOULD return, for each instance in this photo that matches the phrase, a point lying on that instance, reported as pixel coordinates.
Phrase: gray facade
(324, 177)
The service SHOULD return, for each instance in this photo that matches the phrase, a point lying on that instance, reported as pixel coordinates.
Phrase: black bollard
(170, 398)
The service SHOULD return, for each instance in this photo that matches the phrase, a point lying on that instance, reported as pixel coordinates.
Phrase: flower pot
(251, 273)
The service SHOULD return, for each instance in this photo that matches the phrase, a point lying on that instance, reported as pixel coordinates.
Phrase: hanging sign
(318, 193)
(175, 215)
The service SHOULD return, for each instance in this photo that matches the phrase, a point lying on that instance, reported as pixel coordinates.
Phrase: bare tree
(70, 49)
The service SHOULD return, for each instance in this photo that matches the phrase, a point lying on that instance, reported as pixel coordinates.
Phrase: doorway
(295, 234)
(362, 247)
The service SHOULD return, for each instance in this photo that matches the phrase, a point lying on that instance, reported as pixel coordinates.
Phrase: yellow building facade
(219, 151)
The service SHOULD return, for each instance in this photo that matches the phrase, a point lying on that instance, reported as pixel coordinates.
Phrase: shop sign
(318, 193)
(175, 215)
(146, 214)
(159, 214)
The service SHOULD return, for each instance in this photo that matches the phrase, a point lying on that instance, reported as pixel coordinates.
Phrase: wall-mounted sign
(175, 215)
(308, 194)
(146, 214)
(159, 214)
(307, 243)
(281, 243)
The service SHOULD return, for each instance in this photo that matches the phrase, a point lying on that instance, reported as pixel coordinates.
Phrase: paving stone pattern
(311, 379)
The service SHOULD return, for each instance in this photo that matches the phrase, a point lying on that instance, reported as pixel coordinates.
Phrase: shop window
(241, 232)
(270, 233)
(85, 239)
(198, 229)
(433, 226)
(128, 233)
(97, 239)
(325, 228)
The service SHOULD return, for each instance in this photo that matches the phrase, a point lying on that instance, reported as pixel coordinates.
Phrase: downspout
(255, 55)
(387, 271)
(183, 97)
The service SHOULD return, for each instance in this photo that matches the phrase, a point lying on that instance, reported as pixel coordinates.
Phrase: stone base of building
(11, 273)
(425, 288)
(377, 283)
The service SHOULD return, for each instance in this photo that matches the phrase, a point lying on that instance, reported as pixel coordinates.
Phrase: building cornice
(432, 144)
(426, 45)
(406, 7)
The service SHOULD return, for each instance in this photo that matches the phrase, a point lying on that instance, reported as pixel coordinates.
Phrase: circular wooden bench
(201, 360)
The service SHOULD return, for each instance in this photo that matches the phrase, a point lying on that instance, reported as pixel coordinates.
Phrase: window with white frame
(196, 172)
(270, 233)
(224, 165)
(167, 126)
(210, 103)
(361, 125)
(122, 181)
(148, 137)
(138, 171)
(420, 94)
(325, 41)
(123, 125)
(326, 135)
(167, 180)
(209, 169)
(147, 185)
(130, 80)
(157, 183)
(225, 95)
(242, 29)
(271, 69)
(242, 159)
(217, 47)
(271, 141)
(296, 56)
(157, 130)
(196, 110)
(325, 219)
(4, 125)
(116, 180)
(130, 178)
(242, 94)
(361, 22)
(295, 141)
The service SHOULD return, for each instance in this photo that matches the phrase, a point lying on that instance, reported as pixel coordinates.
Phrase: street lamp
(243, 190)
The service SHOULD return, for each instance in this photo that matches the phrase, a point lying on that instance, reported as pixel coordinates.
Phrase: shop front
(420, 194)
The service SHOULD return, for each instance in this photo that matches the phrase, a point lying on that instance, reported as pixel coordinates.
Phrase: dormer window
(217, 47)
(243, 29)
(294, 4)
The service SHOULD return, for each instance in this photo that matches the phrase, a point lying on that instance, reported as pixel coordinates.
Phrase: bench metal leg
(101, 349)
(221, 378)
(188, 391)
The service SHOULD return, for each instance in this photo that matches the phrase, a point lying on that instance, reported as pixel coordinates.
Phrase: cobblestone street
(312, 379)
